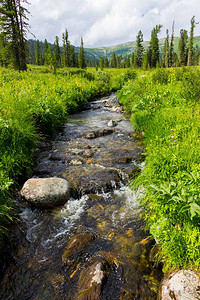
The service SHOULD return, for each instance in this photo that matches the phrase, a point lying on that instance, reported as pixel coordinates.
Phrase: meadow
(164, 107)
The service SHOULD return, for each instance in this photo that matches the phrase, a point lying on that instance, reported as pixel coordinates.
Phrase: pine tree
(49, 57)
(171, 48)
(165, 58)
(197, 55)
(106, 61)
(47, 53)
(124, 61)
(38, 54)
(132, 59)
(81, 56)
(119, 61)
(13, 25)
(73, 62)
(66, 49)
(139, 49)
(154, 47)
(182, 48)
(101, 64)
(190, 60)
(45, 46)
(4, 51)
(114, 61)
(128, 62)
(56, 53)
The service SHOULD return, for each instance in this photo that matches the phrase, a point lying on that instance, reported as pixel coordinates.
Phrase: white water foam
(73, 209)
(131, 209)
(49, 233)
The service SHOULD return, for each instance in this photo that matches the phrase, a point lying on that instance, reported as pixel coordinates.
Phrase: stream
(96, 246)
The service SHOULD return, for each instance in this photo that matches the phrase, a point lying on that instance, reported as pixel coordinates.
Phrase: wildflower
(175, 141)
(173, 137)
(172, 130)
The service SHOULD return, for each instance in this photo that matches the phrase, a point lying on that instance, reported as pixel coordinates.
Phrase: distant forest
(169, 52)
(15, 50)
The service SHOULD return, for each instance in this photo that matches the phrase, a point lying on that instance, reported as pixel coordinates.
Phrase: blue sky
(109, 22)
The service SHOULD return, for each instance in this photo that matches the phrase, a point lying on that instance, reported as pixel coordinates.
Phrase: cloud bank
(109, 22)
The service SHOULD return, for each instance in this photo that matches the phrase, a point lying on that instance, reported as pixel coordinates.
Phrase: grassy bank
(32, 106)
(164, 106)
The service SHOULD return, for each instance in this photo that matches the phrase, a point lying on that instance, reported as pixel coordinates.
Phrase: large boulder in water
(46, 192)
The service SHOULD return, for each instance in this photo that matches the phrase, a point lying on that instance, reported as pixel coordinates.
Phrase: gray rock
(90, 135)
(46, 192)
(112, 123)
(117, 109)
(183, 284)
(98, 133)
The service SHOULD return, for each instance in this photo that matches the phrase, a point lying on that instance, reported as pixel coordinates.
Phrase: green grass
(33, 105)
(165, 105)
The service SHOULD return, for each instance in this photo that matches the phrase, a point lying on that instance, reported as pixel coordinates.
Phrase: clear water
(112, 217)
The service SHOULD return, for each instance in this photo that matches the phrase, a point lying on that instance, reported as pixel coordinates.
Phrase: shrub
(103, 82)
(129, 75)
(191, 86)
(160, 76)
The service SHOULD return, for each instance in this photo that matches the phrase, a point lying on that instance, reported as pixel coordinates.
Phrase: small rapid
(95, 246)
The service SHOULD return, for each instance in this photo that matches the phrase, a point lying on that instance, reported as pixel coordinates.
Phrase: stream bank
(95, 246)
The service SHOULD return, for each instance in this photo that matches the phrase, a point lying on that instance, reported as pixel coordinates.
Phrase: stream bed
(96, 245)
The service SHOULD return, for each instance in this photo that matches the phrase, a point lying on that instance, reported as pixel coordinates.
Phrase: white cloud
(109, 22)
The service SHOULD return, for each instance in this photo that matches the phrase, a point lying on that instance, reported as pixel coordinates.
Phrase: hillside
(121, 49)
(129, 47)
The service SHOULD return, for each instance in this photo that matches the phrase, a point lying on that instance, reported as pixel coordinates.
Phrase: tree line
(56, 56)
(153, 56)
(14, 46)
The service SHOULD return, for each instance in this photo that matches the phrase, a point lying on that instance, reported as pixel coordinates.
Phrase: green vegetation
(32, 106)
(164, 104)
(13, 25)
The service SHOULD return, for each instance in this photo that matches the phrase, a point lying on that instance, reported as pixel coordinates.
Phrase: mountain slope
(121, 49)
(129, 47)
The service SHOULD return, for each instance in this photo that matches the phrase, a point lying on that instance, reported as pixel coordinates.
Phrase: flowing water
(99, 226)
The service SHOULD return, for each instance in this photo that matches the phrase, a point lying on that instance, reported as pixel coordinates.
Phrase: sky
(109, 22)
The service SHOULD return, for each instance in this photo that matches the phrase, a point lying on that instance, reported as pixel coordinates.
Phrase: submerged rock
(182, 284)
(90, 179)
(46, 192)
(98, 133)
(91, 281)
(77, 243)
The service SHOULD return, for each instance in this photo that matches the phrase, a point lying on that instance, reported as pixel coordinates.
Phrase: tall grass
(165, 105)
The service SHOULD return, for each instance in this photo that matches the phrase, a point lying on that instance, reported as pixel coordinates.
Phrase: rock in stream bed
(180, 285)
(46, 192)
